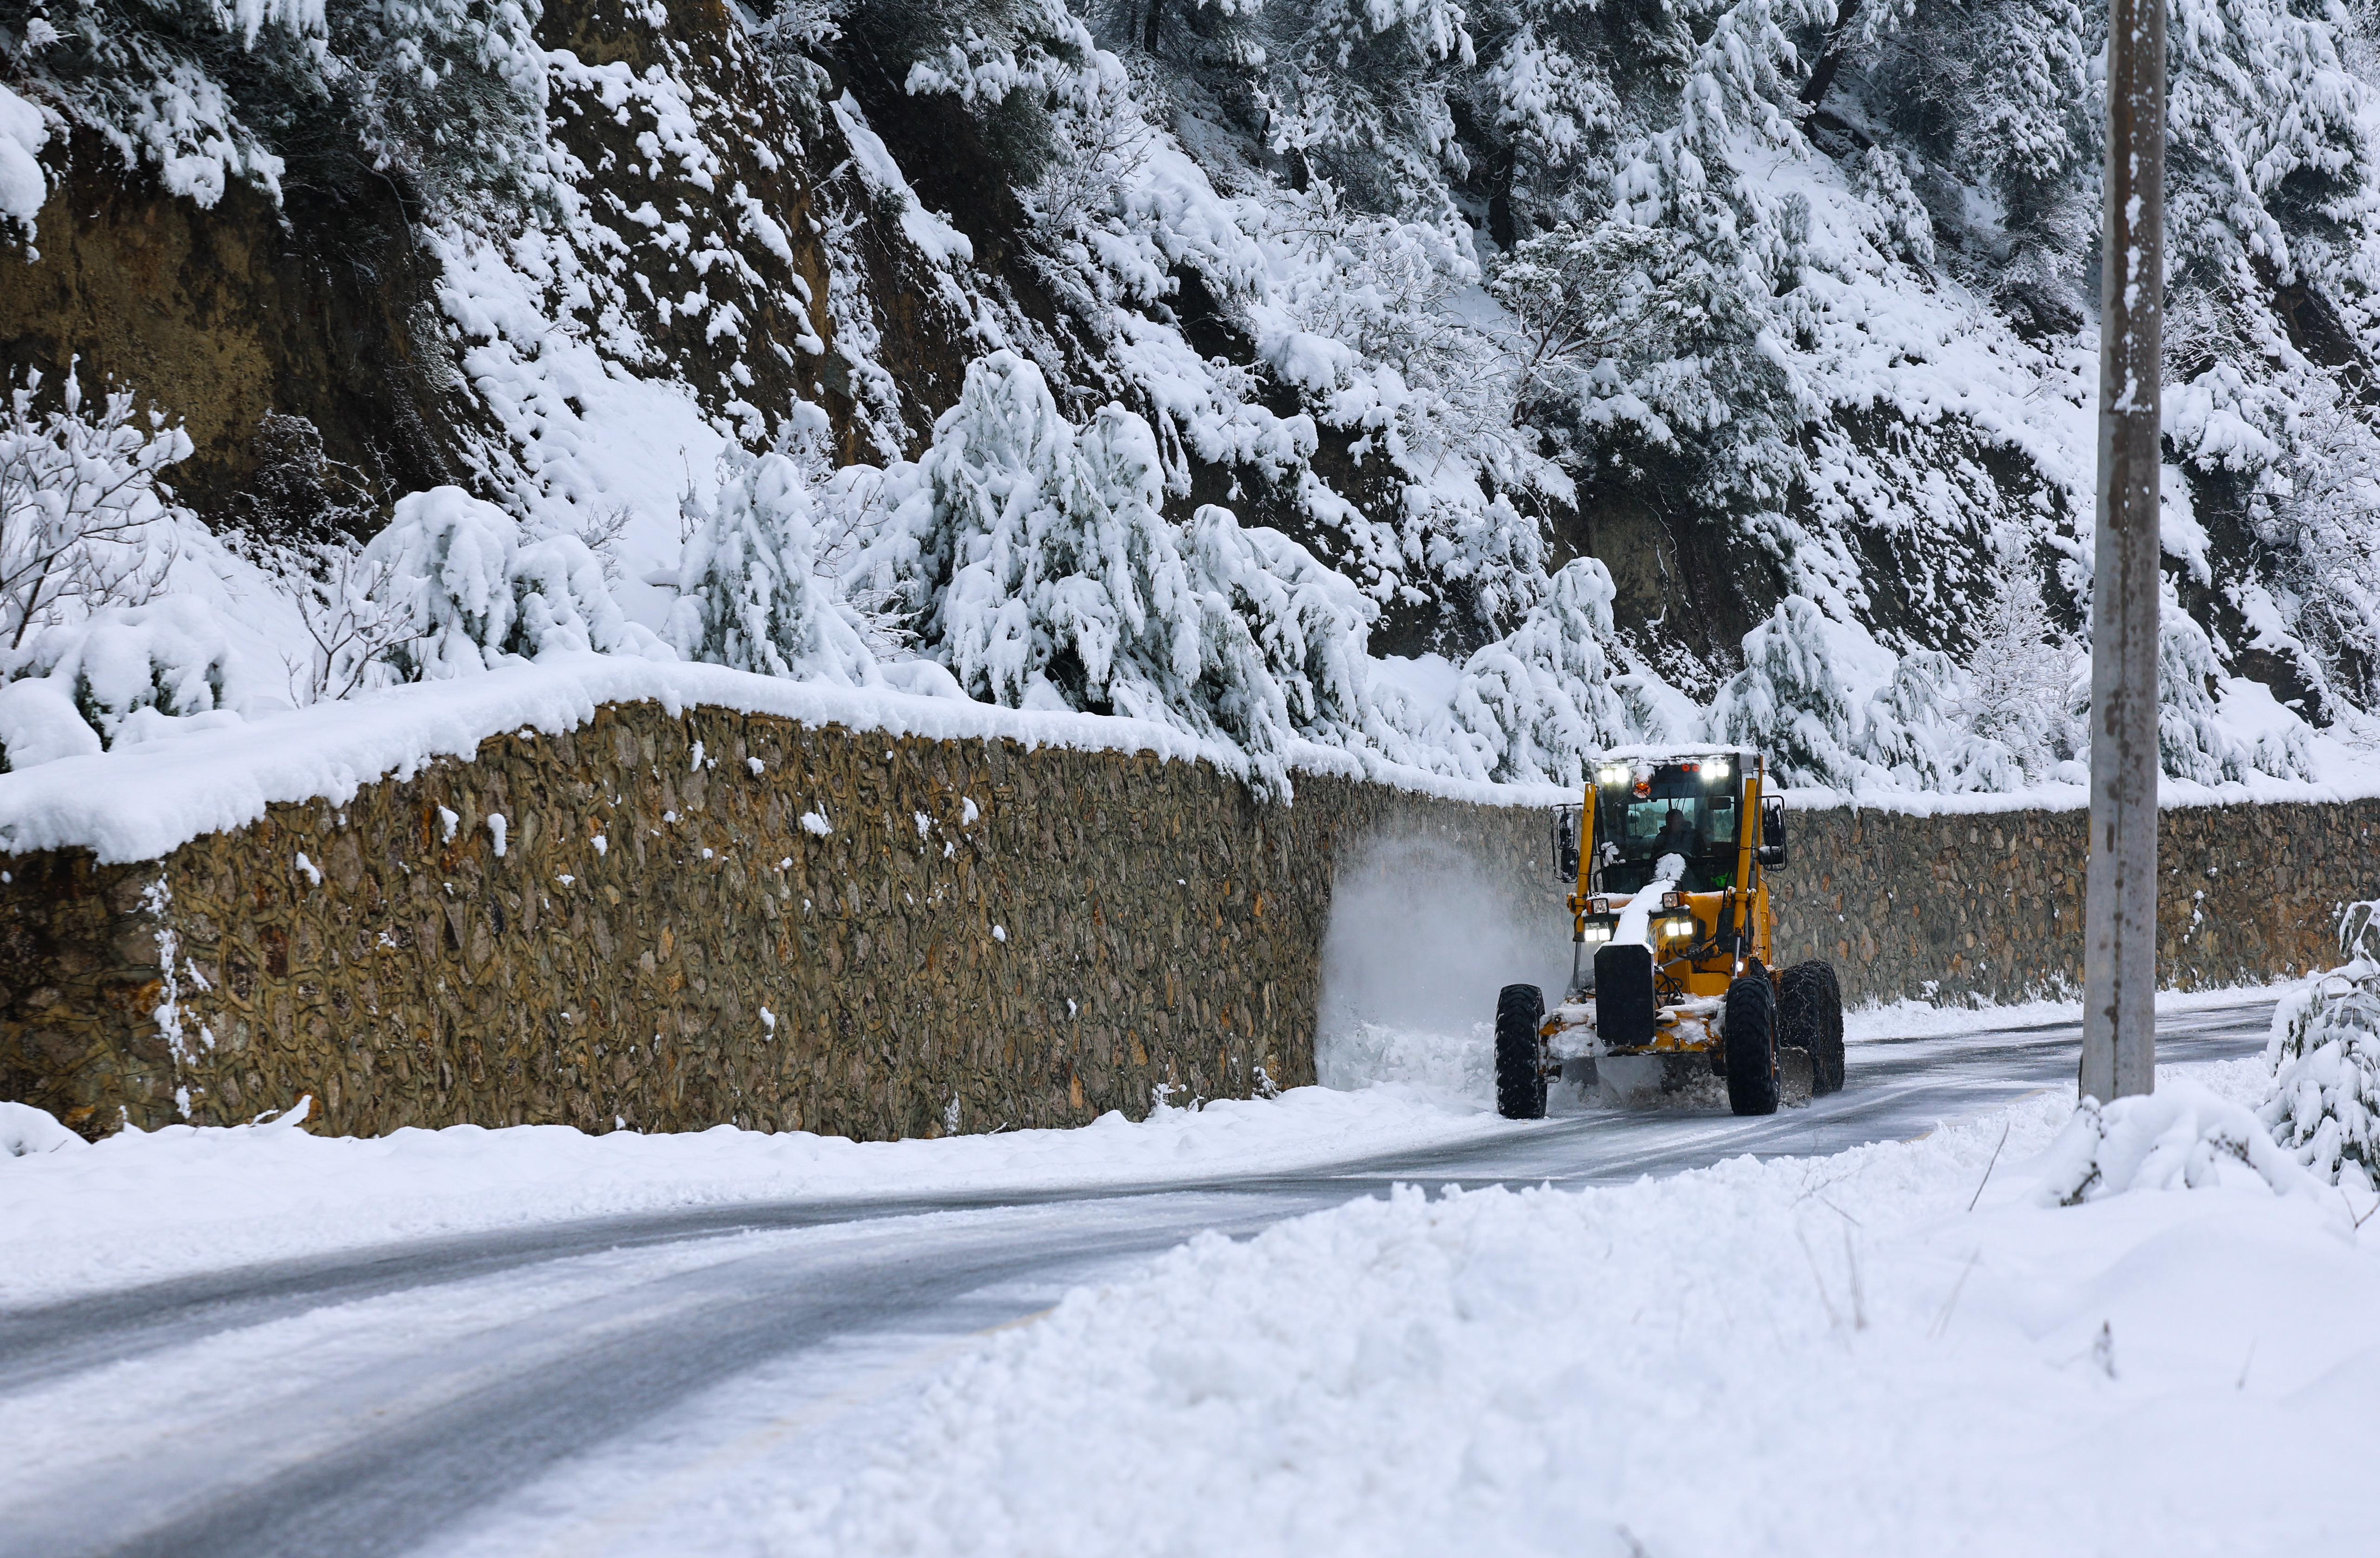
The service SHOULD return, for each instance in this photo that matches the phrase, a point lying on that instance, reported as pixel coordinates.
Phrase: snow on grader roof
(1670, 752)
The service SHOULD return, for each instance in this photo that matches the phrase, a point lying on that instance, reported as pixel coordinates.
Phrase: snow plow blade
(1624, 1012)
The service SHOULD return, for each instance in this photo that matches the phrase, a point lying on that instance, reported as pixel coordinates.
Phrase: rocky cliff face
(325, 308)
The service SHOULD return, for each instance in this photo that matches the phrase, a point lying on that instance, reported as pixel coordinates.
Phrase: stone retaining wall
(711, 917)
(683, 921)
(1991, 905)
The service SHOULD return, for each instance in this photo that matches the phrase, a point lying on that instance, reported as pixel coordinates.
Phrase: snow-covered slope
(1725, 368)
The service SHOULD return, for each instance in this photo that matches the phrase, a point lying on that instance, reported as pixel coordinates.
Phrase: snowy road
(623, 1385)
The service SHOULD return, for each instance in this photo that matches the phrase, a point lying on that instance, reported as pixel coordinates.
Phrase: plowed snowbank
(1910, 1347)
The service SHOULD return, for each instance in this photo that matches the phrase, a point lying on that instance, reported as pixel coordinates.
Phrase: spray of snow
(1417, 932)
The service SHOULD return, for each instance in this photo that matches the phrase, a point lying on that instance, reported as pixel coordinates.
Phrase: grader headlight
(1675, 926)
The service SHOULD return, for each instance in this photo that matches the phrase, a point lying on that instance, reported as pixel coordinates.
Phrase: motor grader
(1668, 860)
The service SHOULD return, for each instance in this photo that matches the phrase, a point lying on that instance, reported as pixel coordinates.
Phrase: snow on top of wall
(139, 803)
(2075, 797)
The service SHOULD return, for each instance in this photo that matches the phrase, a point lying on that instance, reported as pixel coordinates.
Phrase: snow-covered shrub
(1007, 61)
(125, 667)
(791, 35)
(2324, 527)
(1630, 335)
(1582, 299)
(476, 592)
(23, 187)
(1539, 704)
(1368, 314)
(2179, 1137)
(1902, 222)
(39, 724)
(1787, 702)
(749, 590)
(25, 1130)
(447, 560)
(298, 492)
(1099, 142)
(2324, 1107)
(85, 522)
(563, 603)
(354, 622)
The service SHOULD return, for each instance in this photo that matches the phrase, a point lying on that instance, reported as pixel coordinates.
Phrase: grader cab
(1673, 940)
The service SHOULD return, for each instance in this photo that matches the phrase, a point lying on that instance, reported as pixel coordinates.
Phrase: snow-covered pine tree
(2192, 741)
(1994, 94)
(960, 538)
(1310, 622)
(563, 605)
(1538, 705)
(1281, 646)
(446, 97)
(1580, 299)
(1547, 102)
(1787, 702)
(1359, 89)
(749, 590)
(1045, 575)
(446, 557)
(1110, 592)
(2021, 673)
(1914, 732)
(1075, 595)
(2325, 1106)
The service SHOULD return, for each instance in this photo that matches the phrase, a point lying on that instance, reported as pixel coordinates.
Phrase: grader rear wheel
(1810, 1016)
(1520, 1053)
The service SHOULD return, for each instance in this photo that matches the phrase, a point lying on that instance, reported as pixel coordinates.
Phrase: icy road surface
(622, 1385)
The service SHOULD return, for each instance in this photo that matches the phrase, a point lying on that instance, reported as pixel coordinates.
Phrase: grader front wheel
(1750, 1042)
(1520, 1053)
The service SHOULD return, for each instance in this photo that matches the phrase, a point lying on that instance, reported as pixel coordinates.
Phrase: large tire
(1751, 1044)
(1520, 1053)
(1810, 1018)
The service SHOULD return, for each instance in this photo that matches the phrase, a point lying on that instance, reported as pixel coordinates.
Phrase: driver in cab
(1677, 834)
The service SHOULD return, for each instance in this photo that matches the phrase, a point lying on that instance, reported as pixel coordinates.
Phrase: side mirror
(1566, 819)
(1771, 852)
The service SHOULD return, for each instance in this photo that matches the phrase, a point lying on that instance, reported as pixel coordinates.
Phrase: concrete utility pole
(2119, 909)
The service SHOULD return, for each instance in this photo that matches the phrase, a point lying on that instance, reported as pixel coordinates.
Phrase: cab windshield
(1684, 810)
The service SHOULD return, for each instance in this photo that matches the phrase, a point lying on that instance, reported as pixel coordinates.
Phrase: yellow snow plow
(1673, 940)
